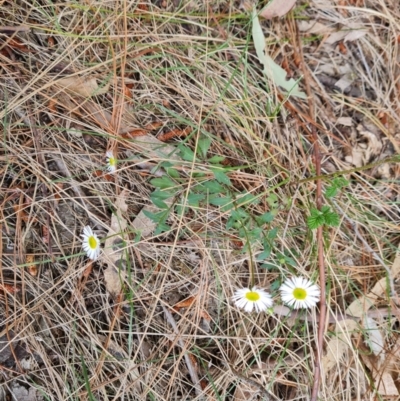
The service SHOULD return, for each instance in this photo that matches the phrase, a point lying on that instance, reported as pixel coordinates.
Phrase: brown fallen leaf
(11, 289)
(174, 133)
(186, 303)
(32, 268)
(83, 86)
(277, 8)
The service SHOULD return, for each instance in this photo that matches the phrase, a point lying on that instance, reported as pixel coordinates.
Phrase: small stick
(320, 240)
(9, 30)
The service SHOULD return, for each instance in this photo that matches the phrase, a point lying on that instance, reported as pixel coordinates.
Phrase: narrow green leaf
(173, 172)
(162, 182)
(216, 159)
(159, 203)
(161, 228)
(272, 70)
(220, 201)
(161, 194)
(272, 233)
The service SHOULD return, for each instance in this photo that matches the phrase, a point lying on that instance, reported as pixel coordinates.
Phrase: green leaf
(163, 182)
(272, 201)
(181, 210)
(216, 159)
(340, 182)
(161, 194)
(161, 228)
(221, 177)
(332, 219)
(331, 191)
(159, 203)
(268, 266)
(272, 70)
(173, 172)
(248, 199)
(156, 217)
(316, 219)
(239, 214)
(275, 285)
(203, 145)
(213, 186)
(194, 199)
(265, 218)
(219, 201)
(272, 233)
(263, 255)
(186, 153)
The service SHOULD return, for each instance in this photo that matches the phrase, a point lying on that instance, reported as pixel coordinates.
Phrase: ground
(222, 163)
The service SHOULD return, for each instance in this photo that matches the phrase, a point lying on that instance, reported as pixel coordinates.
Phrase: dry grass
(191, 67)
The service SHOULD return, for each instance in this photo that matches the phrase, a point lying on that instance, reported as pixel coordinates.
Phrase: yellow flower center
(112, 161)
(92, 242)
(252, 296)
(300, 294)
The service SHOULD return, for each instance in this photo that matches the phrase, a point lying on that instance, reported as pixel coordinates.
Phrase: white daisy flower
(299, 292)
(90, 243)
(111, 162)
(249, 298)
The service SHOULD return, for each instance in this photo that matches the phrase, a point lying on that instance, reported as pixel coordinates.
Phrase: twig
(189, 364)
(320, 242)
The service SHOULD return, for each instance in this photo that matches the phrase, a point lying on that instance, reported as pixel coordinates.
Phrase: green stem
(251, 265)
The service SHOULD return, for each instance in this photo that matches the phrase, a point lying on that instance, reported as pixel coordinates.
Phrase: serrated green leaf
(239, 214)
(194, 199)
(221, 177)
(272, 201)
(331, 192)
(219, 201)
(203, 145)
(272, 70)
(314, 221)
(324, 209)
(275, 285)
(332, 219)
(248, 199)
(231, 223)
(156, 217)
(263, 255)
(340, 182)
(162, 182)
(272, 233)
(159, 203)
(186, 153)
(213, 186)
(161, 228)
(181, 210)
(265, 218)
(216, 159)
